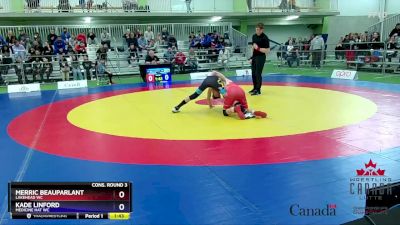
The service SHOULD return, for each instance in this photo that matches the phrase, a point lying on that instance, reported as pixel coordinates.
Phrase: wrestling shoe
(175, 110)
(249, 115)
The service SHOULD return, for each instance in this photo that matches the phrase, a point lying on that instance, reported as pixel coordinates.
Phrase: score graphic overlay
(94, 200)
(158, 75)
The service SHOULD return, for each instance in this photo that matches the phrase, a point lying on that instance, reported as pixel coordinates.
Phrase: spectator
(191, 37)
(127, 35)
(180, 60)
(2, 41)
(19, 50)
(151, 58)
(36, 46)
(37, 38)
(23, 38)
(292, 54)
(6, 59)
(152, 46)
(76, 68)
(105, 39)
(172, 41)
(48, 51)
(250, 5)
(11, 38)
(169, 56)
(317, 46)
(392, 48)
(223, 57)
(80, 48)
(131, 40)
(37, 66)
(196, 42)
(174, 50)
(87, 66)
(82, 4)
(102, 52)
(148, 34)
(188, 8)
(159, 40)
(18, 67)
(213, 54)
(59, 44)
(165, 35)
(376, 41)
(192, 60)
(91, 38)
(52, 37)
(65, 35)
(339, 50)
(142, 43)
(47, 69)
(395, 30)
(133, 54)
(81, 37)
(71, 42)
(64, 67)
(205, 41)
(102, 70)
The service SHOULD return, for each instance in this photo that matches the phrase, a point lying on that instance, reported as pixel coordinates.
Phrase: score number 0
(121, 195)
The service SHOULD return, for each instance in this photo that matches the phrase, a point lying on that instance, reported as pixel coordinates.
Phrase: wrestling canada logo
(371, 176)
(370, 170)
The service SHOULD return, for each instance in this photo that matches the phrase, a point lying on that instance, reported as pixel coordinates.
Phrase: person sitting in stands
(169, 56)
(87, 66)
(192, 60)
(151, 58)
(47, 69)
(172, 41)
(164, 35)
(91, 38)
(133, 54)
(131, 40)
(59, 44)
(105, 38)
(180, 61)
(52, 37)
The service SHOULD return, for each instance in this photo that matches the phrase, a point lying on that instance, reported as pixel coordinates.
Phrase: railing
(180, 31)
(388, 24)
(371, 56)
(238, 38)
(55, 68)
(298, 5)
(166, 6)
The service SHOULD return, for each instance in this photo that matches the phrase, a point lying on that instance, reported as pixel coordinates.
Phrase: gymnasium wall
(281, 33)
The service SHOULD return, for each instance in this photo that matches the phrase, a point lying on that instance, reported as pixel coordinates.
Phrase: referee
(260, 46)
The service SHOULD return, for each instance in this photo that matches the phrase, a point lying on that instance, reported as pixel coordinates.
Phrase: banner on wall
(19, 88)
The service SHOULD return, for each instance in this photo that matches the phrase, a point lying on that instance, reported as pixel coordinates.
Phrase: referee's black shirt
(262, 41)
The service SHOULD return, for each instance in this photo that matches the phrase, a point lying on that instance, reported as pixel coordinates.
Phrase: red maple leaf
(360, 172)
(380, 172)
(370, 164)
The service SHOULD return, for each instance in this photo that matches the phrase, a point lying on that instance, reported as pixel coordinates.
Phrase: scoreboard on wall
(94, 200)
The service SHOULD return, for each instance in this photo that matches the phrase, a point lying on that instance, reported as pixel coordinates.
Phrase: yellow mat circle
(291, 110)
